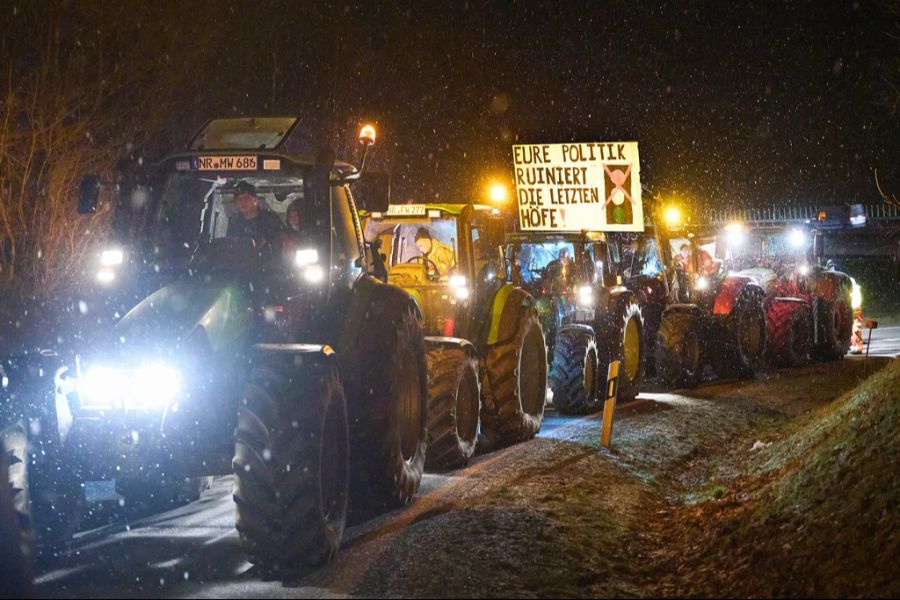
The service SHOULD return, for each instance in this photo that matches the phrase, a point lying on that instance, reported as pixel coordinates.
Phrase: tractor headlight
(308, 261)
(803, 270)
(112, 257)
(458, 285)
(797, 239)
(585, 296)
(110, 260)
(702, 283)
(150, 387)
(856, 296)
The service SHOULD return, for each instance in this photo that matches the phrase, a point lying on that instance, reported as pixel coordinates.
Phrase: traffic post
(609, 407)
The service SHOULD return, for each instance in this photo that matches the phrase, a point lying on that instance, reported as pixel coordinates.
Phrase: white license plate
(226, 163)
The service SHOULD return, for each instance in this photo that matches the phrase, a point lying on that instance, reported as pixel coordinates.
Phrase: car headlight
(150, 387)
(585, 296)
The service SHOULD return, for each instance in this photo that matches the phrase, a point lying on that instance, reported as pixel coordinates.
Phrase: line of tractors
(328, 368)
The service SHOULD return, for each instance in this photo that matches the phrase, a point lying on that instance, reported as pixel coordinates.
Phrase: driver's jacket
(442, 256)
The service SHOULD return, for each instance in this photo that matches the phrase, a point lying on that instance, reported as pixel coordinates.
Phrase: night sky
(762, 104)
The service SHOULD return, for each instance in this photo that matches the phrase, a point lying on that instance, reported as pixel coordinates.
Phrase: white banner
(576, 187)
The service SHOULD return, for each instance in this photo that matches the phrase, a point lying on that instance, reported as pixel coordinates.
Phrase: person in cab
(440, 255)
(252, 221)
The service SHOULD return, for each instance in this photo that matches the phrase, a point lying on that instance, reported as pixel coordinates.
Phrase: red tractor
(715, 317)
(809, 308)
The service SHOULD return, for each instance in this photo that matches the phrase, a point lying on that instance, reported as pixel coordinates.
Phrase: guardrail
(792, 214)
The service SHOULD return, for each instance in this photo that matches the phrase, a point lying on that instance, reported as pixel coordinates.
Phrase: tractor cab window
(419, 251)
(194, 207)
(534, 263)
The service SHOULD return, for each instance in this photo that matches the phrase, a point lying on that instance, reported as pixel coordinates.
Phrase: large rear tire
(516, 385)
(388, 413)
(678, 351)
(291, 464)
(454, 398)
(789, 335)
(574, 374)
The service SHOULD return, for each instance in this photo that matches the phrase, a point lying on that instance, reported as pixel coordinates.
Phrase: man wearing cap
(441, 255)
(263, 226)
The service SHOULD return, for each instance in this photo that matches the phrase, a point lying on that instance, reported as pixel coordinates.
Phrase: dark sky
(755, 104)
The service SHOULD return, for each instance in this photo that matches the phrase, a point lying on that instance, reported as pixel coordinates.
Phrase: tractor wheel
(453, 402)
(516, 385)
(15, 576)
(291, 464)
(388, 414)
(789, 335)
(835, 326)
(574, 374)
(624, 341)
(678, 352)
(55, 499)
(745, 342)
(144, 496)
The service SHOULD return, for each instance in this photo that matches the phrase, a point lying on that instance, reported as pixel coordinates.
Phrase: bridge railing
(790, 214)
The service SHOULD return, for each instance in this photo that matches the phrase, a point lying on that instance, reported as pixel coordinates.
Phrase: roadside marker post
(609, 407)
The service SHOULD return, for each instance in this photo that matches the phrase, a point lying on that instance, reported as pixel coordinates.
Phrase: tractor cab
(236, 200)
(446, 255)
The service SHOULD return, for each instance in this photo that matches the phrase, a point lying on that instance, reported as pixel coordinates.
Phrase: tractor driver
(441, 255)
(263, 226)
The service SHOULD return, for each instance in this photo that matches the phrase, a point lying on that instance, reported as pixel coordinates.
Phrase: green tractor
(590, 318)
(268, 350)
(486, 356)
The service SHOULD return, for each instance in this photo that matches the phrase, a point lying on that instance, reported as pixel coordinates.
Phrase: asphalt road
(193, 551)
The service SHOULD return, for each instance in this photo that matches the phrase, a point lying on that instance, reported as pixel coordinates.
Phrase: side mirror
(88, 194)
(372, 192)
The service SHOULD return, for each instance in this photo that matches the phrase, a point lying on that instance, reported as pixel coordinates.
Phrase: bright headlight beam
(797, 238)
(306, 256)
(112, 257)
(585, 295)
(106, 275)
(314, 274)
(702, 283)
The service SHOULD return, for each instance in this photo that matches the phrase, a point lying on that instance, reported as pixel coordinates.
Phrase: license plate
(226, 163)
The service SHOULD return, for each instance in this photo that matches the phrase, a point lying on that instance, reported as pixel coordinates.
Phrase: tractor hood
(763, 276)
(214, 315)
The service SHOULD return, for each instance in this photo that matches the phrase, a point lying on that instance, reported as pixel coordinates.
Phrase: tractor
(714, 317)
(264, 348)
(589, 317)
(486, 353)
(808, 307)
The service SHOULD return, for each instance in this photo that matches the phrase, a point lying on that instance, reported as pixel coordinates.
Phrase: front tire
(454, 398)
(745, 329)
(678, 352)
(516, 385)
(574, 374)
(624, 335)
(789, 335)
(835, 326)
(291, 464)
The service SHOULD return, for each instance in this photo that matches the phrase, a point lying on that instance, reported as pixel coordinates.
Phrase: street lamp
(498, 193)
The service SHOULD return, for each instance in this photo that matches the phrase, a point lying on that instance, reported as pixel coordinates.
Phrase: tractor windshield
(172, 215)
(418, 250)
(531, 262)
